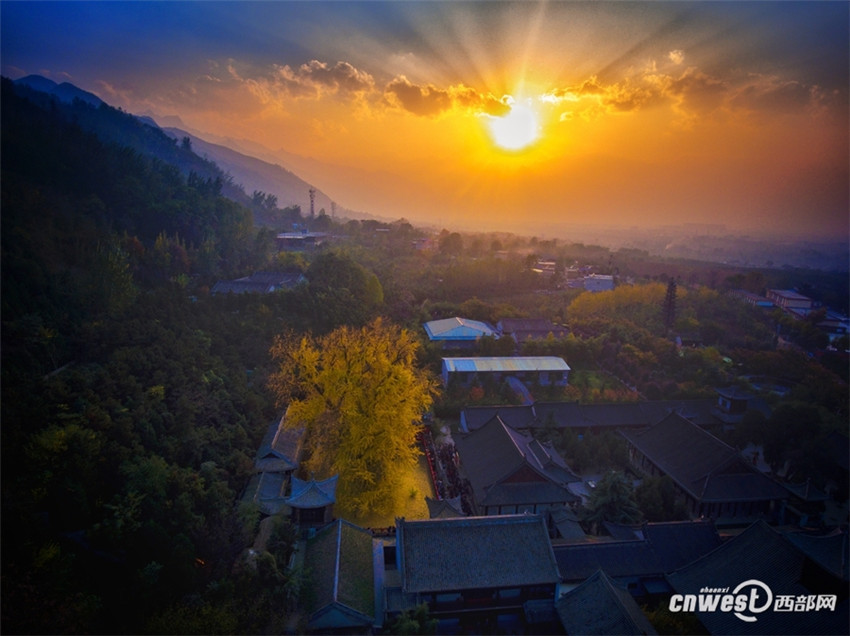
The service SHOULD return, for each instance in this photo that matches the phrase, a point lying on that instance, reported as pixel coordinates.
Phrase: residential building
(545, 370)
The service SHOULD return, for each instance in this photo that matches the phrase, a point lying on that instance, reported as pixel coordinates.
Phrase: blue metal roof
(505, 364)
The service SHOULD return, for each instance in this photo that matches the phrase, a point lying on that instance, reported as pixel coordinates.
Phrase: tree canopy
(359, 395)
(613, 500)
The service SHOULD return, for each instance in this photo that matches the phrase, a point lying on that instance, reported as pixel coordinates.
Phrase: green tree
(414, 622)
(451, 243)
(342, 291)
(359, 394)
(613, 500)
(656, 498)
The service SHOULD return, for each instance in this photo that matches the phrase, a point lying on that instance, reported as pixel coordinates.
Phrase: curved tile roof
(312, 494)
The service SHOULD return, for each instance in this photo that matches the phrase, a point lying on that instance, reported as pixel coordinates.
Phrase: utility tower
(312, 202)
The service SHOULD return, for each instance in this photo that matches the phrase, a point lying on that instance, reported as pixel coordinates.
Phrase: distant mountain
(339, 178)
(64, 92)
(110, 124)
(256, 174)
(241, 172)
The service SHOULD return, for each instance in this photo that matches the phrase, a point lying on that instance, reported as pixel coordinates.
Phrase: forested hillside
(133, 402)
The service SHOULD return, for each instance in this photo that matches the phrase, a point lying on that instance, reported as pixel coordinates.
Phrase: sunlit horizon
(491, 113)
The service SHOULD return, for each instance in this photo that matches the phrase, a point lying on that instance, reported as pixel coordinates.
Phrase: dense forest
(133, 400)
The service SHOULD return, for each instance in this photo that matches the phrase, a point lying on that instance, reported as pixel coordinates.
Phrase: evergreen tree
(613, 500)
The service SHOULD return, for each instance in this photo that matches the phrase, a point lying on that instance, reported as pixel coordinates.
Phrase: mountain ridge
(65, 92)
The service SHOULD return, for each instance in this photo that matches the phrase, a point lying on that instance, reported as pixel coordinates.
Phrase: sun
(516, 130)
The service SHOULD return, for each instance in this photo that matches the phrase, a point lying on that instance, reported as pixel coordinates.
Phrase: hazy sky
(633, 113)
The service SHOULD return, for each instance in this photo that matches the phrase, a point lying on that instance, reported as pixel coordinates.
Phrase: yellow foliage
(359, 395)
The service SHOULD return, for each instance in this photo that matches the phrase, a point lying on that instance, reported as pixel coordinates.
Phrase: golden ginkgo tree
(359, 395)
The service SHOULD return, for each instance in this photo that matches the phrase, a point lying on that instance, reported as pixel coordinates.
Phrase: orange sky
(647, 113)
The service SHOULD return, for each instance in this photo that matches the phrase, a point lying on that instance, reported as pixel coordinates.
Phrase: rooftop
(475, 552)
(652, 549)
(340, 566)
(312, 494)
(761, 553)
(280, 450)
(790, 294)
(505, 364)
(575, 415)
(495, 452)
(600, 606)
(457, 329)
(701, 464)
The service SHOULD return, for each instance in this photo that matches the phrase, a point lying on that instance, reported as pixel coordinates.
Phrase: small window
(389, 558)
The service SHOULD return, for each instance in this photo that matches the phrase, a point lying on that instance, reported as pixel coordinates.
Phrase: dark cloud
(419, 100)
(429, 100)
(315, 78)
(773, 95)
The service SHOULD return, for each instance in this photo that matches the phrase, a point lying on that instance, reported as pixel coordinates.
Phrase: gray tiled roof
(567, 523)
(495, 452)
(600, 606)
(341, 573)
(528, 493)
(831, 552)
(517, 417)
(280, 450)
(444, 508)
(598, 416)
(259, 283)
(475, 552)
(701, 464)
(653, 549)
(267, 490)
(312, 494)
(760, 553)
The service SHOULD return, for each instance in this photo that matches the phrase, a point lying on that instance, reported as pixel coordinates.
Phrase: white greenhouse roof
(506, 365)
